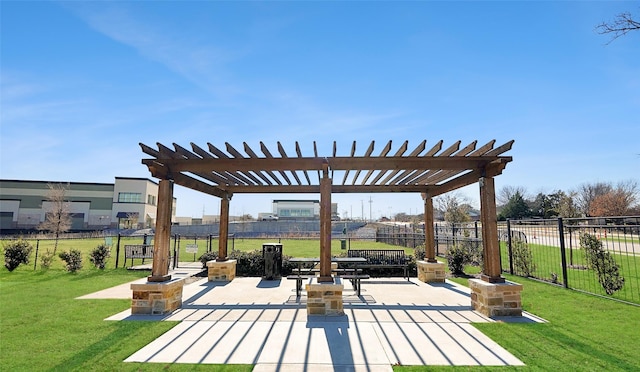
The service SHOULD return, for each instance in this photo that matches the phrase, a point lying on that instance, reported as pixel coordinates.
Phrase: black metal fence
(550, 250)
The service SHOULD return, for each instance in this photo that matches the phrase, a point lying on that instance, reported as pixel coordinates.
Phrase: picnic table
(351, 272)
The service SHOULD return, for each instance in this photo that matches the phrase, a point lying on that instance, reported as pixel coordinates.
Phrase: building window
(129, 197)
(151, 199)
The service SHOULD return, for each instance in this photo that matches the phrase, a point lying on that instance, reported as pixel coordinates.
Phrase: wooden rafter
(219, 172)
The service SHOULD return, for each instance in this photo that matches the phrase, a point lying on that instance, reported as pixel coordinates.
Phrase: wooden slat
(437, 175)
(443, 175)
(299, 153)
(346, 173)
(211, 176)
(408, 174)
(415, 152)
(267, 154)
(229, 171)
(315, 153)
(383, 153)
(398, 153)
(366, 155)
(284, 155)
(230, 179)
(447, 152)
(238, 155)
(253, 155)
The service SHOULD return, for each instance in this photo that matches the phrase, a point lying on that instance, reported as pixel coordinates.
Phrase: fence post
(118, 251)
(509, 246)
(175, 257)
(35, 262)
(563, 256)
(476, 228)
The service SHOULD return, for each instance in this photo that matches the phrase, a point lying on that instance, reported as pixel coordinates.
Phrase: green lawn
(548, 261)
(43, 326)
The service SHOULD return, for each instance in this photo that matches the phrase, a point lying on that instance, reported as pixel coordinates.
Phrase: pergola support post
(224, 228)
(160, 294)
(430, 270)
(491, 246)
(162, 240)
(325, 227)
(222, 269)
(491, 295)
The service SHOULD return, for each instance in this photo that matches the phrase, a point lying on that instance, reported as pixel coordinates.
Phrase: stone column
(160, 265)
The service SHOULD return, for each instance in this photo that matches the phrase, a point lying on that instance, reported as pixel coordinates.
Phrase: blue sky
(83, 83)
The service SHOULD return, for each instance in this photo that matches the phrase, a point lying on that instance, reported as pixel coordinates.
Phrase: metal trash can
(272, 254)
(343, 244)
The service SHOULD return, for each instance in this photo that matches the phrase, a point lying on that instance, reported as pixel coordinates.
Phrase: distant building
(296, 209)
(301, 209)
(128, 203)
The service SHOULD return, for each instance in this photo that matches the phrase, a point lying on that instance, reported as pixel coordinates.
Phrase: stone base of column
(224, 271)
(431, 272)
(156, 298)
(496, 299)
(325, 298)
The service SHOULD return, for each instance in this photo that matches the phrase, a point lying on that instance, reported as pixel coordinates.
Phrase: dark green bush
(73, 260)
(99, 256)
(208, 256)
(601, 261)
(15, 253)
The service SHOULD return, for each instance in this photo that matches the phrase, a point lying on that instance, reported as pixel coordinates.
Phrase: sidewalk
(260, 322)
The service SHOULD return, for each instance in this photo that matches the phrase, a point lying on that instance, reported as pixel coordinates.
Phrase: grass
(548, 261)
(43, 326)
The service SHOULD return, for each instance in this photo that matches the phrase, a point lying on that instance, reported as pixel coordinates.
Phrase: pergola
(430, 172)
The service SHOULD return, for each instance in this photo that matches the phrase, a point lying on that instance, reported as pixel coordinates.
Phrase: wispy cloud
(202, 64)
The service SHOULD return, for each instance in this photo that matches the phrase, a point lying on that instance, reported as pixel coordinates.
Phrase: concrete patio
(263, 323)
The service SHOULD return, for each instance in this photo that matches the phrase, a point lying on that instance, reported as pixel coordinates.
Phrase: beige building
(128, 203)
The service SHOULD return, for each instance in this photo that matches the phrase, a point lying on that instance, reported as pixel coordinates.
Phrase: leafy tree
(566, 206)
(507, 192)
(543, 206)
(516, 208)
(57, 216)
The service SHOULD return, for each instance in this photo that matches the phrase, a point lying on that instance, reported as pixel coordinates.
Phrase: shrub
(208, 256)
(248, 263)
(601, 261)
(15, 253)
(522, 257)
(457, 257)
(99, 256)
(46, 260)
(73, 260)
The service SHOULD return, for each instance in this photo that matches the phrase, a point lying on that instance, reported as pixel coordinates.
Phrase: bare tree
(455, 208)
(57, 217)
(622, 24)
